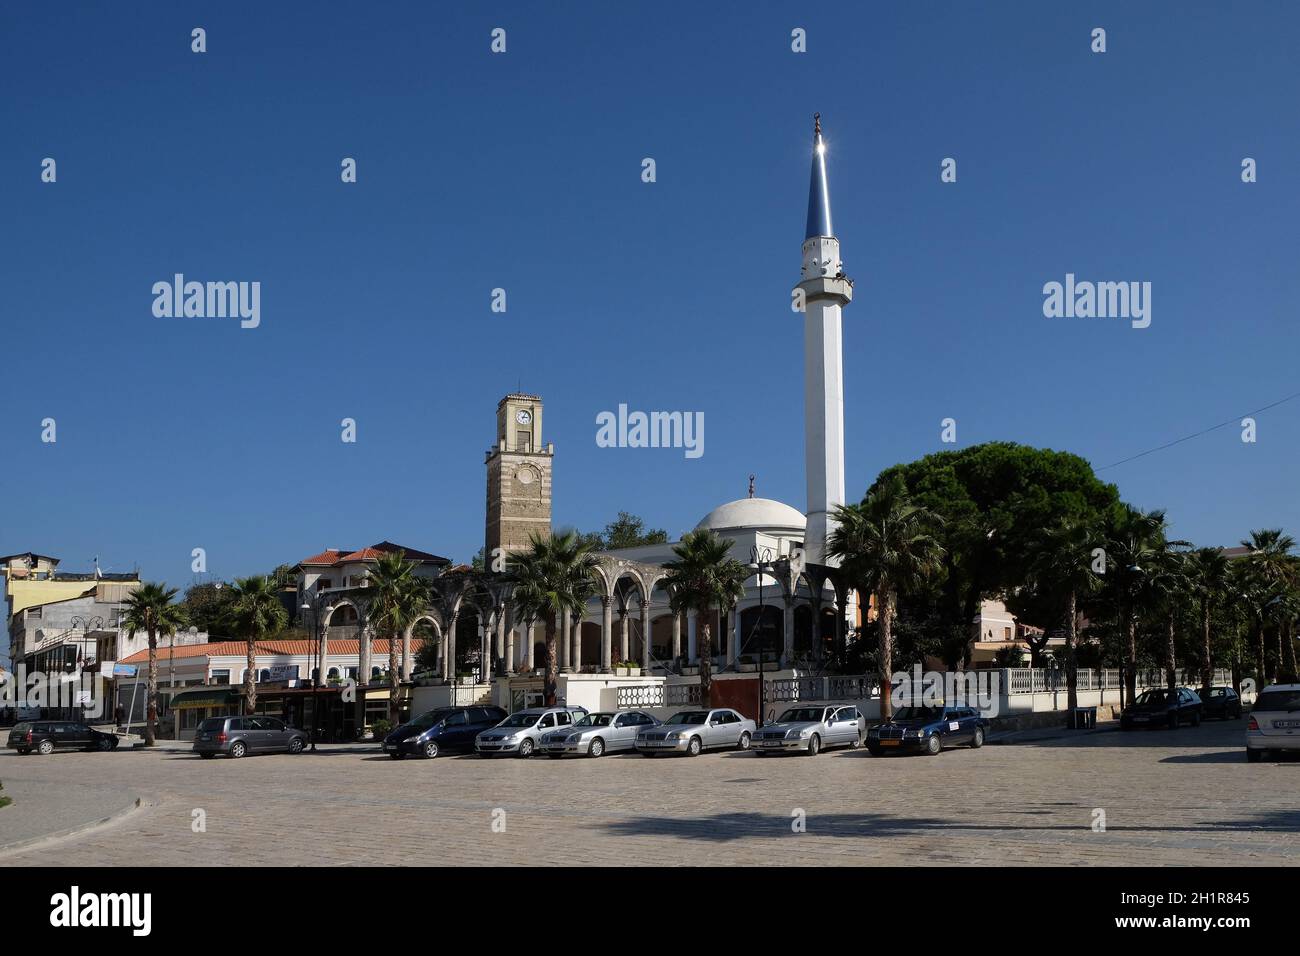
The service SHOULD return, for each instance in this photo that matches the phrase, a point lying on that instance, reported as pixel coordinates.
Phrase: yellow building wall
(24, 594)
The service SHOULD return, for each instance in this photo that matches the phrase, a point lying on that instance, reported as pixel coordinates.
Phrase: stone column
(787, 649)
(531, 649)
(606, 633)
(484, 650)
(576, 638)
(501, 633)
(677, 635)
(363, 675)
(449, 652)
(566, 643)
(512, 662)
(645, 636)
(624, 648)
(692, 647)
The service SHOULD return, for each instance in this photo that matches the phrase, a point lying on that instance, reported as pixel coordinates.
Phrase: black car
(1160, 707)
(1221, 702)
(47, 736)
(928, 729)
(443, 729)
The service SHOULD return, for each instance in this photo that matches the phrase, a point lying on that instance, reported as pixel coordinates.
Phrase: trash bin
(1085, 718)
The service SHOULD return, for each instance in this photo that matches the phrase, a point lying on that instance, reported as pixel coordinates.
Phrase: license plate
(1286, 723)
(889, 743)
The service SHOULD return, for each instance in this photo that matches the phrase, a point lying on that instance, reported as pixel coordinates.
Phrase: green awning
(204, 697)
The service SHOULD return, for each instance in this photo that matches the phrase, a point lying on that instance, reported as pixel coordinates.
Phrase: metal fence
(1039, 680)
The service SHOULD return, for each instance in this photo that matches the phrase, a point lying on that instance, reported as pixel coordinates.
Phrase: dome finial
(751, 486)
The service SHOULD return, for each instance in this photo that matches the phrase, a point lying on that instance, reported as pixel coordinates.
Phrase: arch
(353, 614)
(762, 628)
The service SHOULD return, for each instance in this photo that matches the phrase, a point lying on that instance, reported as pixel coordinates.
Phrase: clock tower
(518, 477)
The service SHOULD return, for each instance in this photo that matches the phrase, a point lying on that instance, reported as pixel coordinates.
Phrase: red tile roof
(300, 648)
(332, 556)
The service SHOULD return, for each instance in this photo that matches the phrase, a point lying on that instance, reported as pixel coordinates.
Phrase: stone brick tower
(518, 477)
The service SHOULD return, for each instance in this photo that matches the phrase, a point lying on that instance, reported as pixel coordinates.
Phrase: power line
(1204, 431)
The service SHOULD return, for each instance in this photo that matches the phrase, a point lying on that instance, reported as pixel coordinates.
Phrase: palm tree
(554, 575)
(704, 577)
(1271, 559)
(885, 547)
(1061, 564)
(149, 608)
(397, 598)
(1207, 573)
(1170, 584)
(1135, 540)
(1252, 596)
(255, 612)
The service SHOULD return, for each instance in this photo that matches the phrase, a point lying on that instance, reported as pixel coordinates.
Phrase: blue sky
(522, 171)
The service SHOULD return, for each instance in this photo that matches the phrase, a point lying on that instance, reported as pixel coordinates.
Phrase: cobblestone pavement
(1170, 797)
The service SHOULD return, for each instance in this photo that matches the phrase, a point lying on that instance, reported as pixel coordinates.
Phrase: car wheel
(745, 741)
(430, 749)
(933, 744)
(24, 751)
(814, 745)
(295, 745)
(1173, 721)
(526, 748)
(597, 748)
(978, 740)
(45, 748)
(237, 749)
(103, 744)
(1254, 756)
(857, 742)
(694, 747)
(875, 749)
(207, 756)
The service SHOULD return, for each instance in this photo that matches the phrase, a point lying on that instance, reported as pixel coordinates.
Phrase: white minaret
(826, 291)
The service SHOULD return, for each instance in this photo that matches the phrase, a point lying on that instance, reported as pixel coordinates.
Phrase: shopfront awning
(205, 697)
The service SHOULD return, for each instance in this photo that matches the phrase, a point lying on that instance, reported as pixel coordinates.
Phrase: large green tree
(886, 547)
(1207, 575)
(149, 608)
(994, 500)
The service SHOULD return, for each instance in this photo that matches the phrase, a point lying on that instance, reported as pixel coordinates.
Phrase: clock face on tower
(523, 416)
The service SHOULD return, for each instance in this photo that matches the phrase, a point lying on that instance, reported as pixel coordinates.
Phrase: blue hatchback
(444, 729)
(928, 730)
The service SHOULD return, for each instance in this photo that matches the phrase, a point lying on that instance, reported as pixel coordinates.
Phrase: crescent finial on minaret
(817, 124)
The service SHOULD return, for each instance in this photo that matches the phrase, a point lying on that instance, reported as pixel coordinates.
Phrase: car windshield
(689, 717)
(1153, 697)
(1278, 700)
(429, 718)
(919, 713)
(801, 715)
(521, 719)
(595, 720)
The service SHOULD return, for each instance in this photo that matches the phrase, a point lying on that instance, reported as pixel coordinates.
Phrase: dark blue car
(444, 729)
(927, 729)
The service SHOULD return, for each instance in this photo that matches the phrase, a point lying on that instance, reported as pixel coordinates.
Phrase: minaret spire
(819, 194)
(826, 290)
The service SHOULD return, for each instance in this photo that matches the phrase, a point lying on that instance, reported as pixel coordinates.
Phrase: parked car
(1223, 702)
(927, 729)
(1161, 707)
(693, 731)
(521, 733)
(237, 736)
(1274, 722)
(598, 733)
(47, 736)
(440, 730)
(811, 730)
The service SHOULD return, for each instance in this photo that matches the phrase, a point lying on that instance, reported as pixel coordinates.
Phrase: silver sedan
(693, 731)
(812, 729)
(597, 734)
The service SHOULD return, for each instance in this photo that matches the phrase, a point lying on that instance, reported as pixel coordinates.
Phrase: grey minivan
(237, 736)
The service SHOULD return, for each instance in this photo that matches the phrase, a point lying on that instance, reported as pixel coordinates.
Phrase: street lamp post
(318, 651)
(760, 559)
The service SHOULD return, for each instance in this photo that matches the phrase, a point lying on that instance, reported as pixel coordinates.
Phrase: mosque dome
(754, 513)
